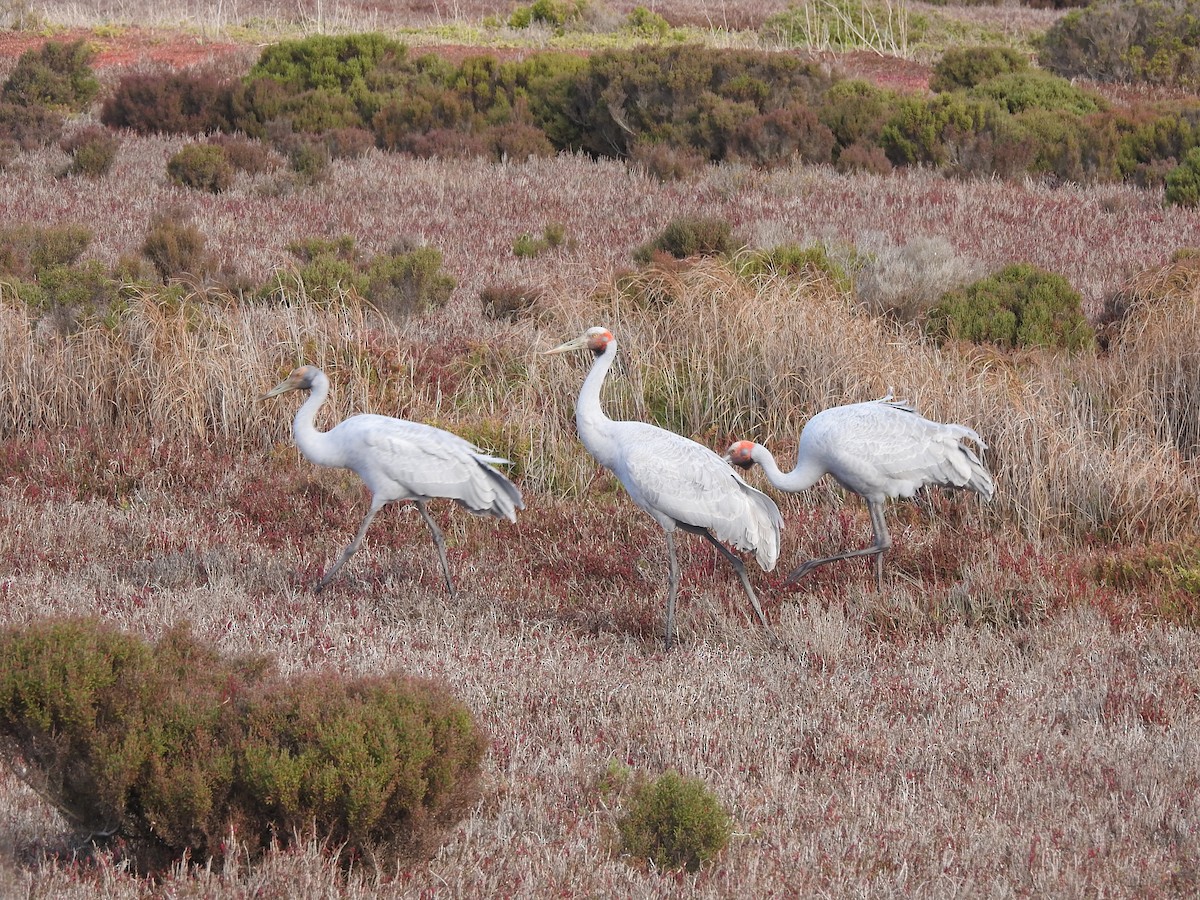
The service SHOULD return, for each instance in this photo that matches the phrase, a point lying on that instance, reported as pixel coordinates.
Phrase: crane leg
(743, 576)
(439, 542)
(672, 585)
(353, 546)
(883, 543)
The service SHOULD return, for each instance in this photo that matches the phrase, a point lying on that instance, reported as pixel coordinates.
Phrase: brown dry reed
(1079, 445)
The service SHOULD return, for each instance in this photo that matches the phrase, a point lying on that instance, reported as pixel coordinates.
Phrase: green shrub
(175, 247)
(1018, 306)
(172, 103)
(204, 167)
(527, 246)
(1156, 41)
(967, 67)
(646, 23)
(856, 112)
(158, 750)
(27, 250)
(691, 236)
(1019, 91)
(66, 297)
(408, 281)
(555, 13)
(922, 131)
(92, 151)
(56, 75)
(674, 823)
(1183, 182)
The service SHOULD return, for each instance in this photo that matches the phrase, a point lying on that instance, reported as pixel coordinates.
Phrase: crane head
(741, 454)
(301, 379)
(595, 339)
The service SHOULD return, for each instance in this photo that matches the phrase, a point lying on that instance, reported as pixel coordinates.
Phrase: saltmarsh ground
(1018, 712)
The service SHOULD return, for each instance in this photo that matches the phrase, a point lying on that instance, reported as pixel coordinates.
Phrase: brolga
(880, 449)
(679, 483)
(399, 460)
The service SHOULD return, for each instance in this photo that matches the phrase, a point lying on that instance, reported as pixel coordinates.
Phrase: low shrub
(1183, 182)
(902, 282)
(1018, 306)
(791, 133)
(55, 75)
(967, 67)
(690, 236)
(175, 247)
(203, 167)
(27, 250)
(29, 127)
(674, 823)
(1019, 91)
(407, 281)
(172, 103)
(159, 750)
(808, 264)
(92, 151)
(1154, 41)
(508, 302)
(555, 13)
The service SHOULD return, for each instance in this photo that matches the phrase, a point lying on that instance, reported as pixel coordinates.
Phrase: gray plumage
(399, 460)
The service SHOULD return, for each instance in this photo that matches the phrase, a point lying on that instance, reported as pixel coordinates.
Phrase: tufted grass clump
(689, 236)
(673, 822)
(159, 751)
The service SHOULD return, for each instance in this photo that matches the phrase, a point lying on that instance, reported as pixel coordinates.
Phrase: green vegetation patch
(674, 822)
(1018, 306)
(158, 750)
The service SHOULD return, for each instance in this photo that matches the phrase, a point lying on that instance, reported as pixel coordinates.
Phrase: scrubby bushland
(161, 750)
(674, 822)
(1156, 41)
(686, 96)
(1018, 306)
(671, 110)
(56, 75)
(966, 67)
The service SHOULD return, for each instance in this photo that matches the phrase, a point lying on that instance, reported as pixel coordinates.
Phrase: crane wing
(677, 480)
(883, 449)
(409, 460)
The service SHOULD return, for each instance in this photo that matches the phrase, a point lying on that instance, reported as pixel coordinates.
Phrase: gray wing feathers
(677, 479)
(409, 459)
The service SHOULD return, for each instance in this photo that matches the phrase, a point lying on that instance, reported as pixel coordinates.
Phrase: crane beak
(288, 384)
(579, 343)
